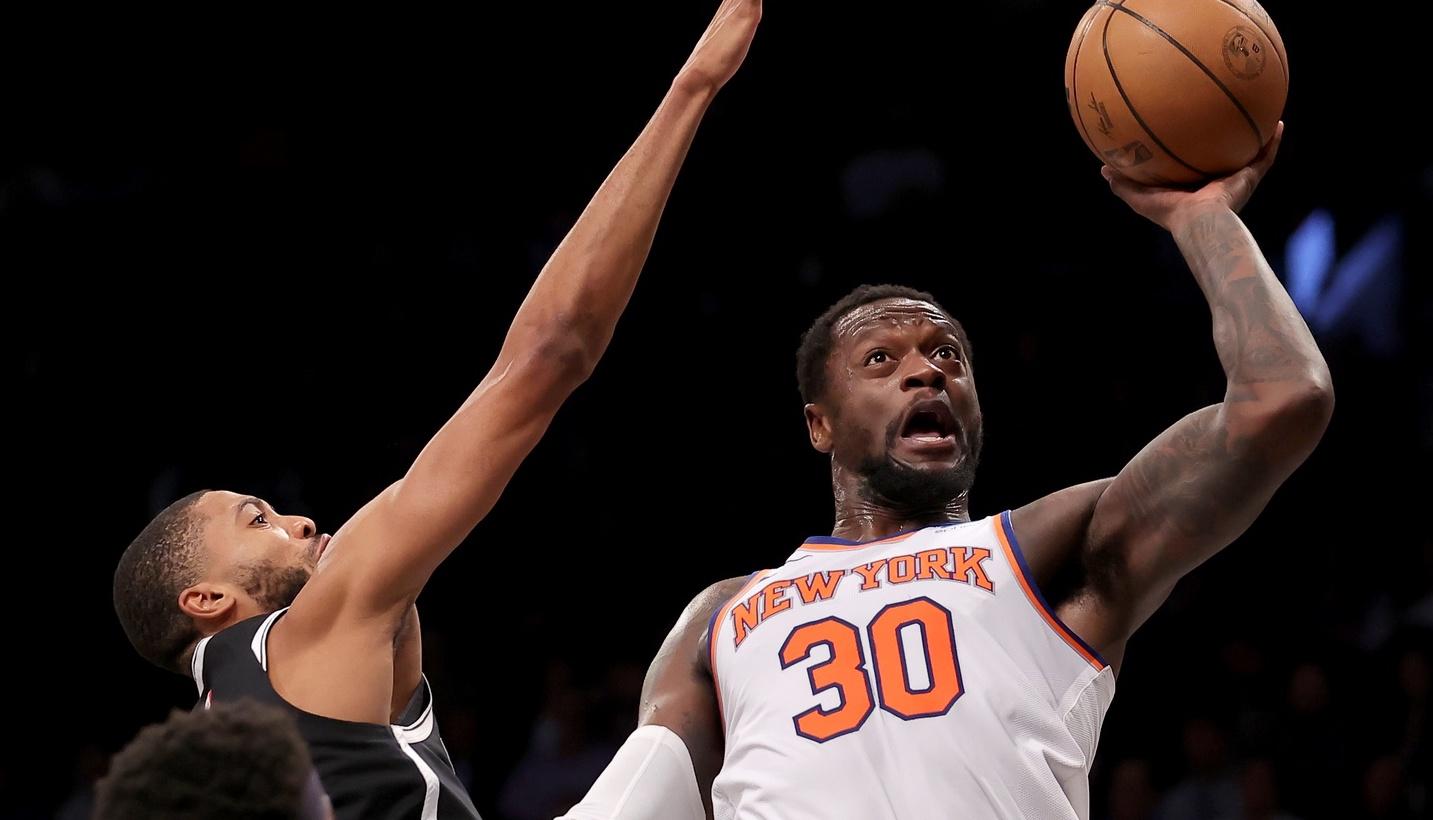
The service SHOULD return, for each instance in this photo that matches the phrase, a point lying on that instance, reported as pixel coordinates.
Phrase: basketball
(1172, 92)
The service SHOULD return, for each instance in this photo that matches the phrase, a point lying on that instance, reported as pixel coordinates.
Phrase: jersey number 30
(930, 628)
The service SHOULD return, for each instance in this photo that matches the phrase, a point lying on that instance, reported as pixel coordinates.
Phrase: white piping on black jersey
(261, 638)
(196, 664)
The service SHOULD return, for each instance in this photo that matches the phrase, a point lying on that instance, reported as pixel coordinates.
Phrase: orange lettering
(967, 563)
(901, 569)
(818, 586)
(773, 591)
(868, 573)
(932, 565)
(744, 618)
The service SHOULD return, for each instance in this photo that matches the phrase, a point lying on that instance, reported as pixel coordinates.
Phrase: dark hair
(154, 569)
(236, 760)
(815, 349)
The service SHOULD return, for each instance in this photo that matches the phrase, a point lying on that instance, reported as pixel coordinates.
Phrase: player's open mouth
(929, 426)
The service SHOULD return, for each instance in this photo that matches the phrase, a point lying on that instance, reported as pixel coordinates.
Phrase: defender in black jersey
(256, 604)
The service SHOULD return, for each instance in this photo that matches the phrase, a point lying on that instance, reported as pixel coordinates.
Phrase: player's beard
(273, 587)
(905, 487)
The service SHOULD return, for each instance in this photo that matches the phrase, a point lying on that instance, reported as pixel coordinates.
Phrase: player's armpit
(1108, 553)
(1052, 531)
(1187, 495)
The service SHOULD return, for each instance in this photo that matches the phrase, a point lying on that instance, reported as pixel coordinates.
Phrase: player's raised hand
(723, 45)
(1166, 206)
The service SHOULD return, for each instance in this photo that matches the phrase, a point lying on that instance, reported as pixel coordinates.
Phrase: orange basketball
(1171, 92)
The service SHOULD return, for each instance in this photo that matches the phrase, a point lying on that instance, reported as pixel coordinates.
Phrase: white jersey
(918, 676)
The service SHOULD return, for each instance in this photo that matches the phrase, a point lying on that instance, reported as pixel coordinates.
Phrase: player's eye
(877, 357)
(259, 519)
(947, 353)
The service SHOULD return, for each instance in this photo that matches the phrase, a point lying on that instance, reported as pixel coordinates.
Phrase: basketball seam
(1283, 66)
(1248, 118)
(1105, 47)
(1075, 84)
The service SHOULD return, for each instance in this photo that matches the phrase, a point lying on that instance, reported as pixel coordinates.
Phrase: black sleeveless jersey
(371, 772)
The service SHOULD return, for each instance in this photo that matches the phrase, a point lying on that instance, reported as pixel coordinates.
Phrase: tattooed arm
(1202, 482)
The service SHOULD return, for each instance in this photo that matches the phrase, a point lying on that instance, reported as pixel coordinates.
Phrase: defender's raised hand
(723, 46)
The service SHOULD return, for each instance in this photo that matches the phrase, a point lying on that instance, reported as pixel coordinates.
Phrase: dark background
(252, 251)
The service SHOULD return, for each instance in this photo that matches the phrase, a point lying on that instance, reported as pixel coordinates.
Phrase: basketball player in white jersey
(918, 663)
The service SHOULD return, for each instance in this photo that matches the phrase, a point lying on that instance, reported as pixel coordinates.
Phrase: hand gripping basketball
(1166, 207)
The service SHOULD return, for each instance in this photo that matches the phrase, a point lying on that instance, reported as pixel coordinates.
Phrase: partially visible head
(1132, 794)
(890, 395)
(1259, 783)
(1206, 746)
(209, 560)
(236, 761)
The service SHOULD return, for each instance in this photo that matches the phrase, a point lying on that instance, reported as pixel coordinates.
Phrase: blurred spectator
(463, 738)
(1252, 697)
(1384, 797)
(565, 754)
(1210, 788)
(1132, 794)
(1312, 746)
(1260, 793)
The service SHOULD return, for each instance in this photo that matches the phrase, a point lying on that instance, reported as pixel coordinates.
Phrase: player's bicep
(679, 695)
(679, 692)
(1185, 496)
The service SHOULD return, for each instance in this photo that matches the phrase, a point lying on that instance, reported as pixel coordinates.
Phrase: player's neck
(859, 518)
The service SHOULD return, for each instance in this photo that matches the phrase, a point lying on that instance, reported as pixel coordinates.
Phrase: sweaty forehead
(888, 313)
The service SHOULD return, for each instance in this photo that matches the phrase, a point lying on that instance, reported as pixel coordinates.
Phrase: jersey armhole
(1010, 545)
(1086, 710)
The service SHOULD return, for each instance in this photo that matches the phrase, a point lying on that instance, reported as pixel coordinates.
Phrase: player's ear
(818, 426)
(208, 604)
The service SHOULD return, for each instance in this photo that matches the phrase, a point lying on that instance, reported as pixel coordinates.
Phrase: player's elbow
(1295, 419)
(558, 359)
(569, 357)
(1309, 406)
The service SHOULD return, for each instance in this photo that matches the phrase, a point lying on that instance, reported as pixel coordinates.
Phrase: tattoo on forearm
(1257, 332)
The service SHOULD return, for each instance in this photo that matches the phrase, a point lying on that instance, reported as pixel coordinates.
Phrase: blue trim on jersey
(711, 622)
(1030, 579)
(831, 539)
